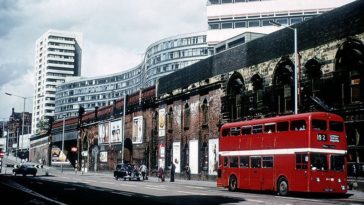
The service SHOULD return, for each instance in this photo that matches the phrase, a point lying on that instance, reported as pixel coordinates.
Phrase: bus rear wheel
(282, 187)
(233, 183)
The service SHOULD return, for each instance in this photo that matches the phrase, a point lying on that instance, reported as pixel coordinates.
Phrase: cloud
(115, 35)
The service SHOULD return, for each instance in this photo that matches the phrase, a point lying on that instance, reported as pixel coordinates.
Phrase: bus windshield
(318, 162)
(337, 162)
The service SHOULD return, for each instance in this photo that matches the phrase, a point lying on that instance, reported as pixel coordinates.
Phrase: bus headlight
(339, 180)
(342, 187)
(318, 179)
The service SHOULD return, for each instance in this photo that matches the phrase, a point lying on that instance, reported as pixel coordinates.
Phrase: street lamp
(64, 119)
(295, 63)
(123, 130)
(22, 128)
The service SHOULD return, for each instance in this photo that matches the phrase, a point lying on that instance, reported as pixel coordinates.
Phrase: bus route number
(321, 137)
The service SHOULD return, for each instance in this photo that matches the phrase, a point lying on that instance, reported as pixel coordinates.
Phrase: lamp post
(295, 63)
(123, 131)
(64, 119)
(22, 126)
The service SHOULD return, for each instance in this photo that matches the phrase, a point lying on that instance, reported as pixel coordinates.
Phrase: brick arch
(234, 95)
(257, 81)
(283, 98)
(313, 68)
(349, 71)
(128, 145)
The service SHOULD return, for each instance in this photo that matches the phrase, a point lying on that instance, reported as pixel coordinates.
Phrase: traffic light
(81, 110)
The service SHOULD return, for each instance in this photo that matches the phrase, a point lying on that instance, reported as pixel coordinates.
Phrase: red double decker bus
(296, 153)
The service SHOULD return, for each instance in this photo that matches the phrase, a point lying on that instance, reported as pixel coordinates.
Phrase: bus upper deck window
(298, 125)
(336, 126)
(235, 131)
(257, 129)
(225, 132)
(246, 130)
(270, 128)
(319, 125)
(282, 126)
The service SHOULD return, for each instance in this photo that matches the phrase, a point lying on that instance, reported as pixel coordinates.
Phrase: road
(95, 188)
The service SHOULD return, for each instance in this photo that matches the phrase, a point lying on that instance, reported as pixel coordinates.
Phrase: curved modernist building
(95, 92)
(162, 58)
(171, 54)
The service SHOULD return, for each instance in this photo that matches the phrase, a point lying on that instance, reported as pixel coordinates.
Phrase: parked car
(25, 169)
(122, 170)
(133, 174)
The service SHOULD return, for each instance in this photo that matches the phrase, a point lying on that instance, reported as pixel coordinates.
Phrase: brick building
(178, 120)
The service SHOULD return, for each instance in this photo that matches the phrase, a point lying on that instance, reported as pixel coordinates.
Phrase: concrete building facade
(228, 18)
(57, 56)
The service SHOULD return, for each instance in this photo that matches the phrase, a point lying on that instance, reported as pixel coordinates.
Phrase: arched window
(257, 82)
(313, 73)
(349, 66)
(283, 86)
(234, 98)
(186, 116)
(205, 112)
(170, 120)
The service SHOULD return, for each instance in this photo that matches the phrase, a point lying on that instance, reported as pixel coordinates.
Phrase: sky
(116, 33)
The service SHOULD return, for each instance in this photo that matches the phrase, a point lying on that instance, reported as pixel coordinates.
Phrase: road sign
(84, 153)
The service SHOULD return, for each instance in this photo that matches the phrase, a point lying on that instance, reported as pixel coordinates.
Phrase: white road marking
(92, 181)
(255, 201)
(193, 193)
(130, 185)
(160, 189)
(107, 182)
(195, 187)
(158, 186)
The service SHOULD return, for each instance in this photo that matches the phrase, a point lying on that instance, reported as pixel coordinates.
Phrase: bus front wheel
(282, 187)
(233, 183)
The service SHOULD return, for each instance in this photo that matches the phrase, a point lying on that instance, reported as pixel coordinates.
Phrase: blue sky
(116, 34)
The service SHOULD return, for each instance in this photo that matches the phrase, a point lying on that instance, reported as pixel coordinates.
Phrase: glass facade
(161, 58)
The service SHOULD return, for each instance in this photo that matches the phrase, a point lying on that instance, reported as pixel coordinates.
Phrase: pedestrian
(143, 170)
(188, 172)
(173, 170)
(161, 174)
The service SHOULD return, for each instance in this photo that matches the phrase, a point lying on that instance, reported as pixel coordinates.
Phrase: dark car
(25, 169)
(122, 170)
(133, 173)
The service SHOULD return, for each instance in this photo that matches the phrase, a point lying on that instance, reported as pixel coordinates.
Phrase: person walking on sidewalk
(188, 172)
(173, 170)
(143, 170)
(161, 174)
